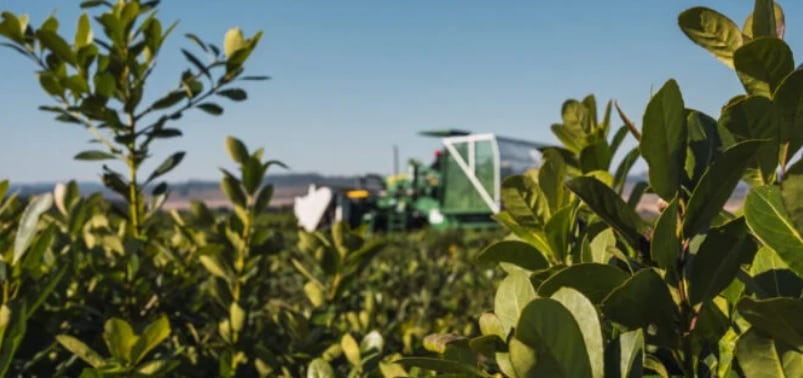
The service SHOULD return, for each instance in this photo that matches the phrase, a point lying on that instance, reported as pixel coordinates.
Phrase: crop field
(693, 269)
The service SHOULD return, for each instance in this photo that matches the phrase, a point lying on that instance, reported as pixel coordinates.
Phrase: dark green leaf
(792, 193)
(94, 155)
(194, 38)
(663, 140)
(666, 247)
(624, 356)
(762, 64)
(770, 222)
(263, 198)
(658, 316)
(514, 252)
(595, 281)
(197, 63)
(610, 207)
(171, 99)
(167, 165)
(704, 145)
(439, 365)
(233, 191)
(620, 177)
(585, 314)
(558, 230)
(236, 149)
(595, 157)
(718, 260)
(552, 332)
(716, 186)
(94, 3)
(788, 100)
(211, 108)
(778, 318)
(763, 19)
(234, 94)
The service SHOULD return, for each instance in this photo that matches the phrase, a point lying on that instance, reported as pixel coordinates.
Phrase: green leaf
(13, 335)
(94, 155)
(236, 149)
(754, 117)
(514, 252)
(778, 318)
(28, 224)
(53, 42)
(214, 266)
(622, 171)
(723, 251)
(788, 100)
(551, 177)
(658, 316)
(769, 221)
(234, 94)
(663, 140)
(153, 335)
(760, 356)
(80, 350)
(197, 63)
(762, 64)
(94, 3)
(83, 33)
(556, 338)
(319, 368)
(595, 157)
(211, 108)
(716, 186)
(263, 198)
(713, 31)
(169, 100)
(610, 207)
(119, 338)
(513, 294)
(253, 172)
(595, 281)
(792, 193)
(167, 165)
(704, 144)
(558, 231)
(157, 368)
(780, 23)
(585, 314)
(524, 201)
(763, 19)
(771, 276)
(666, 247)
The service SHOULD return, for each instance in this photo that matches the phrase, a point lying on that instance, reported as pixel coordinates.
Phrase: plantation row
(586, 287)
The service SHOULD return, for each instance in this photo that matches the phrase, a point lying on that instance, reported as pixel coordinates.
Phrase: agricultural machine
(460, 188)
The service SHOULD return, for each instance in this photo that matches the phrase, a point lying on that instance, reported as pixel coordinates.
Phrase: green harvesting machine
(459, 189)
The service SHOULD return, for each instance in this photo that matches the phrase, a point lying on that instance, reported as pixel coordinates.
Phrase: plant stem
(133, 187)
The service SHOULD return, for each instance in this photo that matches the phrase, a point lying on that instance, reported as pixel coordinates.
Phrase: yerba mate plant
(595, 290)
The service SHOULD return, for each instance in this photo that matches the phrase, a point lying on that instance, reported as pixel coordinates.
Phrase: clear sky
(353, 78)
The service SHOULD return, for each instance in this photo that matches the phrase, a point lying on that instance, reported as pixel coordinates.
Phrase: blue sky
(353, 78)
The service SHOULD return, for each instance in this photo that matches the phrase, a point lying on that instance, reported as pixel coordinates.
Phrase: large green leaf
(716, 186)
(754, 117)
(788, 99)
(779, 318)
(556, 339)
(763, 19)
(587, 319)
(595, 157)
(713, 31)
(780, 23)
(513, 294)
(595, 281)
(514, 252)
(771, 276)
(663, 140)
(666, 247)
(718, 260)
(760, 356)
(80, 350)
(658, 316)
(28, 224)
(524, 201)
(762, 64)
(770, 222)
(610, 207)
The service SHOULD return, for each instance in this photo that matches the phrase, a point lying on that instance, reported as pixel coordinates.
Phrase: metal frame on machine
(468, 167)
